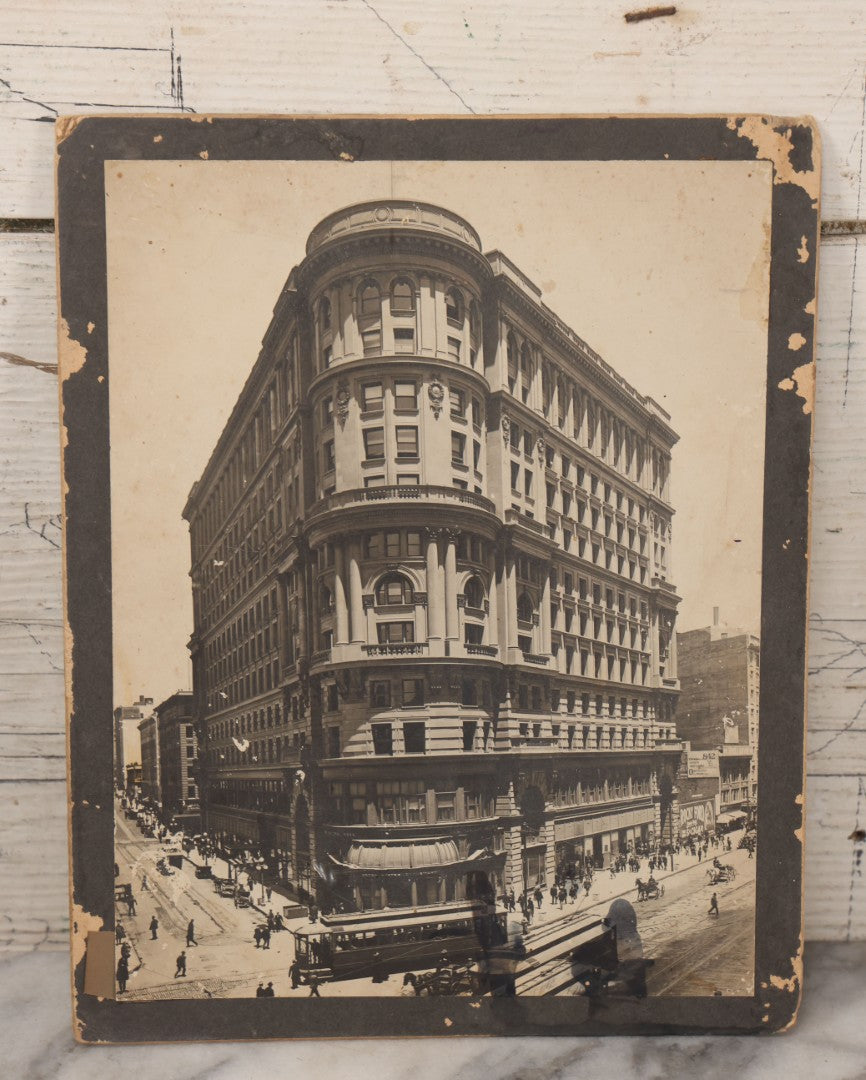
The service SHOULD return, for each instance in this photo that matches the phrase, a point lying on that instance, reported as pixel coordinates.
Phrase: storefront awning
(419, 854)
(730, 817)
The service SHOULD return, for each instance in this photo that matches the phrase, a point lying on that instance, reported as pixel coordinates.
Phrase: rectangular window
(404, 339)
(374, 481)
(383, 739)
(328, 411)
(415, 737)
(392, 547)
(458, 448)
(332, 698)
(372, 397)
(372, 341)
(405, 395)
(476, 454)
(454, 349)
(374, 444)
(413, 543)
(515, 475)
(329, 460)
(469, 692)
(469, 729)
(408, 479)
(413, 691)
(458, 402)
(476, 413)
(333, 742)
(445, 806)
(380, 694)
(407, 442)
(394, 632)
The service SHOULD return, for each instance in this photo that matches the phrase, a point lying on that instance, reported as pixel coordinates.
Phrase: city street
(692, 952)
(225, 963)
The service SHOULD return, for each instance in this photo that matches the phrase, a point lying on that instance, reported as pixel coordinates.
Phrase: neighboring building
(127, 748)
(432, 580)
(698, 784)
(133, 778)
(719, 707)
(178, 788)
(148, 730)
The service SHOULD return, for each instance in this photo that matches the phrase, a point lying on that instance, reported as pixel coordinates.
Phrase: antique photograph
(437, 502)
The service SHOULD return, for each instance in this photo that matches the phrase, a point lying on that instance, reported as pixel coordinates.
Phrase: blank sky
(662, 268)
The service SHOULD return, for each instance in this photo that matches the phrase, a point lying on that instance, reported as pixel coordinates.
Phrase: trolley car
(353, 946)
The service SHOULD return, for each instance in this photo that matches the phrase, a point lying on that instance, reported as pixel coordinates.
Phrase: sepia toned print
(464, 713)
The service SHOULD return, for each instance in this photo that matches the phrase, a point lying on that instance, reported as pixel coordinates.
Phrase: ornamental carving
(343, 398)
(421, 598)
(540, 446)
(368, 600)
(436, 393)
(505, 424)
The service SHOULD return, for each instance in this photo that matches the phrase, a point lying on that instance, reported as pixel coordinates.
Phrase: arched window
(393, 590)
(474, 593)
(402, 297)
(371, 301)
(525, 608)
(454, 307)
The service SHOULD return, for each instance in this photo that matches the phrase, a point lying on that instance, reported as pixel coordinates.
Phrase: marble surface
(829, 1042)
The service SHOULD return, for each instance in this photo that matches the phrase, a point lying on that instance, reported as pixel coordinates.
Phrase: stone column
(451, 620)
(435, 597)
(545, 617)
(492, 602)
(510, 575)
(356, 601)
(341, 609)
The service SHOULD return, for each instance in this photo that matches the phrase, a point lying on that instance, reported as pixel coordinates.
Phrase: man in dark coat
(154, 926)
(190, 934)
(295, 974)
(181, 965)
(122, 974)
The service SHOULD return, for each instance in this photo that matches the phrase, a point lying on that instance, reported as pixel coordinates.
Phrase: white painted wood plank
(390, 56)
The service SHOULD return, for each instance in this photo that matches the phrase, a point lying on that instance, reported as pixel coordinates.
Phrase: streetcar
(352, 946)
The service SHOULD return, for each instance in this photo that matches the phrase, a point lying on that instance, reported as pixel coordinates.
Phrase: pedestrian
(530, 908)
(122, 974)
(313, 983)
(572, 893)
(269, 990)
(181, 965)
(154, 926)
(130, 904)
(539, 896)
(553, 894)
(119, 933)
(266, 938)
(116, 870)
(587, 885)
(561, 896)
(714, 905)
(269, 892)
(144, 887)
(260, 990)
(271, 922)
(295, 974)
(190, 934)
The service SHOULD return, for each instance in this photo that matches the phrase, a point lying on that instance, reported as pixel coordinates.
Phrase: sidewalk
(607, 889)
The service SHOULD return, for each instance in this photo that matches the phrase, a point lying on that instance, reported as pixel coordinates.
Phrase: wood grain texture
(487, 56)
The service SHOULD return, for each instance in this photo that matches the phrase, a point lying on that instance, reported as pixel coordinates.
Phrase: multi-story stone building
(432, 579)
(178, 782)
(127, 748)
(720, 670)
(148, 730)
